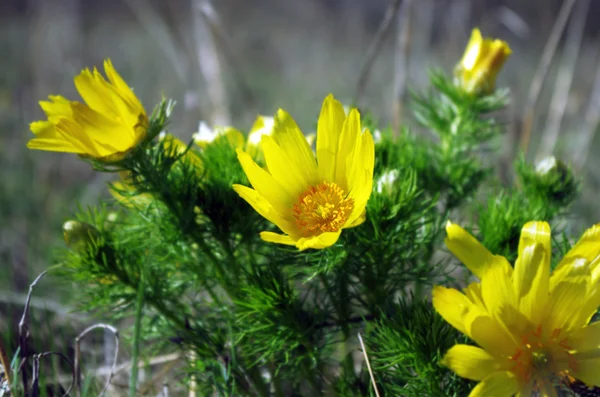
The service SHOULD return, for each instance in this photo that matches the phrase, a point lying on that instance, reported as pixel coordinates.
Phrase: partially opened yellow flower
(312, 199)
(207, 135)
(106, 128)
(532, 326)
(481, 62)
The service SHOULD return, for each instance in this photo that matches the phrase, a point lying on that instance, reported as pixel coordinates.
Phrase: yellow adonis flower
(480, 64)
(312, 199)
(533, 327)
(111, 124)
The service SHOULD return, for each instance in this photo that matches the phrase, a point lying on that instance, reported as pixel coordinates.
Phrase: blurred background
(226, 61)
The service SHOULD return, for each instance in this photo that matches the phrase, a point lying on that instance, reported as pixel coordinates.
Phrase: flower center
(322, 208)
(542, 357)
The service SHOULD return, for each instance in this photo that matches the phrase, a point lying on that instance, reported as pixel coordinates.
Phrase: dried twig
(24, 334)
(382, 33)
(560, 98)
(402, 62)
(364, 350)
(36, 372)
(5, 364)
(77, 366)
(542, 71)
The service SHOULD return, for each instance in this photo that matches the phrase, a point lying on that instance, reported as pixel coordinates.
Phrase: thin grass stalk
(542, 70)
(210, 66)
(5, 364)
(591, 121)
(402, 55)
(382, 33)
(137, 332)
(560, 98)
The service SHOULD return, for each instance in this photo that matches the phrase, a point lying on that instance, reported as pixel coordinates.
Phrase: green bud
(79, 235)
(556, 180)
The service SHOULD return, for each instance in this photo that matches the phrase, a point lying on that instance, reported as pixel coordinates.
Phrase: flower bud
(79, 235)
(483, 58)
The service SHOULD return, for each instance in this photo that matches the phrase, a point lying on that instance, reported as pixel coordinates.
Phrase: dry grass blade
(364, 350)
(382, 33)
(560, 98)
(542, 71)
(77, 367)
(36, 372)
(24, 333)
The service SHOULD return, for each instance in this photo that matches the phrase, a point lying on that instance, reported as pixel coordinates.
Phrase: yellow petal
(588, 248)
(320, 241)
(122, 88)
(277, 238)
(586, 338)
(588, 307)
(498, 384)
(48, 138)
(497, 290)
(58, 107)
(266, 185)
(361, 175)
(470, 362)
(95, 92)
(349, 140)
(473, 50)
(588, 371)
(283, 169)
(452, 305)
(329, 128)
(264, 208)
(470, 252)
(531, 279)
(114, 136)
(358, 221)
(293, 143)
(74, 133)
(490, 334)
(563, 303)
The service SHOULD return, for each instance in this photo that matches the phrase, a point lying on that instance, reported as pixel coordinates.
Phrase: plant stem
(137, 330)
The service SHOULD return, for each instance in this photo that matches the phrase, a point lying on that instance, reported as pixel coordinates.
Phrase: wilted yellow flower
(206, 135)
(480, 64)
(532, 326)
(312, 200)
(111, 124)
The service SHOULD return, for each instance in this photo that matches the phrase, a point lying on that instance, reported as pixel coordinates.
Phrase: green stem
(137, 330)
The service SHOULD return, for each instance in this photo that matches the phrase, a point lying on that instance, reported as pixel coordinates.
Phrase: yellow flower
(263, 125)
(111, 124)
(206, 136)
(532, 326)
(481, 62)
(312, 200)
